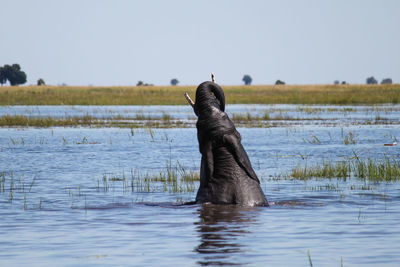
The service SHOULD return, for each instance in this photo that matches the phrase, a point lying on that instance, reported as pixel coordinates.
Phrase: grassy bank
(173, 95)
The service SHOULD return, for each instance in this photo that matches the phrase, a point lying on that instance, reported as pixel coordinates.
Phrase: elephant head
(209, 94)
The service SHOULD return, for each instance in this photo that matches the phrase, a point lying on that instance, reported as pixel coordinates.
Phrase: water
(72, 203)
(300, 114)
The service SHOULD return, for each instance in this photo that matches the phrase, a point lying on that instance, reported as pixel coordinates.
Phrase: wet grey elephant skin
(226, 174)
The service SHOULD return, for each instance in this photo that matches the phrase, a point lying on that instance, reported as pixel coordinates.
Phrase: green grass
(323, 170)
(173, 95)
(18, 120)
(374, 170)
(167, 121)
(245, 118)
(139, 121)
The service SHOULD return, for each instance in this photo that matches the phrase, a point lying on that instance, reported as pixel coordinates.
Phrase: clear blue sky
(82, 42)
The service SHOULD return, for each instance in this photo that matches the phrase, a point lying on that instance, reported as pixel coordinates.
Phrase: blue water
(61, 213)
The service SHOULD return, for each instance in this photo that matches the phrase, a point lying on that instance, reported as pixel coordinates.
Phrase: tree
(278, 82)
(336, 82)
(3, 77)
(174, 82)
(371, 80)
(141, 83)
(41, 82)
(387, 81)
(247, 79)
(13, 74)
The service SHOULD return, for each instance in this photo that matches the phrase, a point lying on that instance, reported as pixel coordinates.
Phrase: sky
(118, 43)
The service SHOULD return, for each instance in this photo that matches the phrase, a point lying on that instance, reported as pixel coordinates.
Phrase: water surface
(72, 202)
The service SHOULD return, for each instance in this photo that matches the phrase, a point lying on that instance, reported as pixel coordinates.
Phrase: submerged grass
(15, 187)
(173, 95)
(174, 179)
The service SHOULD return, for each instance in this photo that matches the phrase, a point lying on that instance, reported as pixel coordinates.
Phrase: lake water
(79, 196)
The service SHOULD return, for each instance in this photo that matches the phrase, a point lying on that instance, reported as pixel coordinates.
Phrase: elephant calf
(226, 174)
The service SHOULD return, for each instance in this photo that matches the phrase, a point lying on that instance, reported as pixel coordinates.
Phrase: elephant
(226, 174)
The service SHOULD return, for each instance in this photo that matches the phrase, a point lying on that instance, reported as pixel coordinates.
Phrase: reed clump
(374, 170)
(173, 95)
(385, 170)
(324, 170)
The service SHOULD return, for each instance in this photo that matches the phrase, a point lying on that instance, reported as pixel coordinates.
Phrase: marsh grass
(313, 140)
(12, 183)
(173, 95)
(309, 258)
(175, 179)
(15, 187)
(323, 170)
(349, 139)
(142, 120)
(139, 121)
(248, 118)
(18, 120)
(373, 170)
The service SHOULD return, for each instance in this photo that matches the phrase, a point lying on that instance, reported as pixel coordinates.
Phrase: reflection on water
(220, 229)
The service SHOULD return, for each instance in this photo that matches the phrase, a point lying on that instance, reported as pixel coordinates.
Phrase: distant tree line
(13, 74)
(338, 82)
(248, 80)
(141, 83)
(372, 80)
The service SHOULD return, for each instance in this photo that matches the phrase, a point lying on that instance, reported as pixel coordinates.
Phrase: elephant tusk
(212, 77)
(189, 100)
